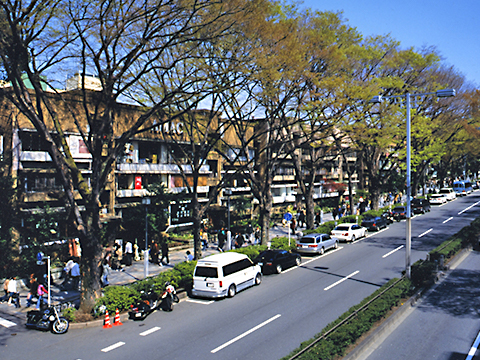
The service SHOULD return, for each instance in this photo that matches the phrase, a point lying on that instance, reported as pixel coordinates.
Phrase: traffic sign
(288, 216)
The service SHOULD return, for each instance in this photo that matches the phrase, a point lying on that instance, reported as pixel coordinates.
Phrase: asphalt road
(267, 321)
(444, 325)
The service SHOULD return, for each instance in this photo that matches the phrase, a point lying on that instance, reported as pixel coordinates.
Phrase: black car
(420, 206)
(274, 261)
(374, 223)
(388, 216)
(399, 212)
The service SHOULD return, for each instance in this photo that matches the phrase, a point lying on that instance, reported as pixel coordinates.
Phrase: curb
(182, 294)
(367, 346)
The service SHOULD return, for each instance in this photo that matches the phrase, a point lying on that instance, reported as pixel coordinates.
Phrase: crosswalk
(6, 323)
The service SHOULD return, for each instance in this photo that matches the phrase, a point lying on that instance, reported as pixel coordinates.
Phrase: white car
(438, 199)
(349, 232)
(451, 195)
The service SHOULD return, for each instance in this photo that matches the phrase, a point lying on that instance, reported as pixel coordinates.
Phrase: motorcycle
(47, 319)
(149, 302)
(169, 296)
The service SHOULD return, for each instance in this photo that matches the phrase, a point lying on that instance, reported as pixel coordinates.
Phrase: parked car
(438, 199)
(224, 274)
(348, 232)
(374, 223)
(316, 243)
(449, 192)
(274, 261)
(399, 212)
(420, 206)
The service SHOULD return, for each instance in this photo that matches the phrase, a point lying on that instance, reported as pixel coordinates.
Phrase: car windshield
(341, 228)
(444, 191)
(307, 240)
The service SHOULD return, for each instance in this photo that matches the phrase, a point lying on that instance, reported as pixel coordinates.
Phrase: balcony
(128, 168)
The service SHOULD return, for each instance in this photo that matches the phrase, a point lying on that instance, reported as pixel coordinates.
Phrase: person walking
(105, 272)
(154, 252)
(128, 253)
(165, 252)
(41, 291)
(32, 286)
(75, 274)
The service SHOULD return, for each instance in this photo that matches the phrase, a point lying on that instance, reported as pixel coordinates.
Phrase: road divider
(341, 280)
(245, 334)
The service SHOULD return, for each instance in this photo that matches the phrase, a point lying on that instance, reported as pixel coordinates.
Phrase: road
(265, 322)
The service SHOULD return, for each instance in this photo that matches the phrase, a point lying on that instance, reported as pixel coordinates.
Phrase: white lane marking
(148, 332)
(342, 280)
(203, 302)
(450, 218)
(391, 252)
(113, 347)
(245, 334)
(425, 233)
(474, 348)
(6, 323)
(468, 208)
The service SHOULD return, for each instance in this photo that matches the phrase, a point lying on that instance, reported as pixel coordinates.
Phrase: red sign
(138, 182)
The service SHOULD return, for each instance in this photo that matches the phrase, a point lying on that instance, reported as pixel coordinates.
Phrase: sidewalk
(129, 275)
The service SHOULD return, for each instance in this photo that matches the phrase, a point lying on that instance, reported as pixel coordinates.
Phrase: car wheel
(298, 261)
(352, 239)
(322, 251)
(278, 269)
(335, 246)
(258, 279)
(232, 291)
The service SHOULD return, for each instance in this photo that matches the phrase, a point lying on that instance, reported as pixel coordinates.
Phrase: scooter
(149, 302)
(169, 296)
(47, 319)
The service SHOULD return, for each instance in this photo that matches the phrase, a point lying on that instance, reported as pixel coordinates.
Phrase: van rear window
(205, 271)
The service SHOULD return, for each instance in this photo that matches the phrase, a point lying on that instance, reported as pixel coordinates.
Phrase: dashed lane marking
(113, 347)
(151, 331)
(6, 323)
(450, 218)
(341, 280)
(425, 233)
(391, 252)
(203, 302)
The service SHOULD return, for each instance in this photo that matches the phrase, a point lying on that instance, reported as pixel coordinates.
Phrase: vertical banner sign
(138, 182)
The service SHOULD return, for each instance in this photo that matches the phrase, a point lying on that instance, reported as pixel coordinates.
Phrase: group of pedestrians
(36, 294)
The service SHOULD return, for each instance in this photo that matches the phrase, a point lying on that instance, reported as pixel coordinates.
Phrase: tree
(120, 43)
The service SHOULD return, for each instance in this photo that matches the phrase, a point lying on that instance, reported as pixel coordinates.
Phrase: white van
(224, 275)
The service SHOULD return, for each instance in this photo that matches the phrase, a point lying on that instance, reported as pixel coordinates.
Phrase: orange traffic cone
(107, 324)
(117, 321)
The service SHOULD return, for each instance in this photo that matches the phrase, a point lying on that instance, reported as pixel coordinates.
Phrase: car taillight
(268, 263)
(346, 234)
(374, 224)
(313, 246)
(220, 283)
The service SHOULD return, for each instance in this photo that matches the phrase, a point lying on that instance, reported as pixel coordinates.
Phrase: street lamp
(408, 231)
(146, 202)
(228, 192)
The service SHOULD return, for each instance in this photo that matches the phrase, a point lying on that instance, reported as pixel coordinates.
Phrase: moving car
(348, 232)
(399, 212)
(420, 206)
(374, 223)
(438, 199)
(449, 192)
(316, 243)
(274, 261)
(462, 188)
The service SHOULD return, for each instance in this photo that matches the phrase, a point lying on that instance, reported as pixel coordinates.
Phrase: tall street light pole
(408, 228)
(146, 202)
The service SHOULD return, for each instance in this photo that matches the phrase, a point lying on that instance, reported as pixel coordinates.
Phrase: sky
(453, 27)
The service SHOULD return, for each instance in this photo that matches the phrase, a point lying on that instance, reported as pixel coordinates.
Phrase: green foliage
(70, 314)
(118, 297)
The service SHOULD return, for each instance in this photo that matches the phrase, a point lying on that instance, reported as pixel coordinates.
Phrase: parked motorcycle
(47, 319)
(148, 302)
(169, 297)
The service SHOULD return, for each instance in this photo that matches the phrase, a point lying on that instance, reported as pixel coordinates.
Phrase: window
(205, 271)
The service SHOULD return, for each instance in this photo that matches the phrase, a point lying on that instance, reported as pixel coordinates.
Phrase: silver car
(316, 243)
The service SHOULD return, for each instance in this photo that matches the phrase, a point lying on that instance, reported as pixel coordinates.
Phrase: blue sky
(452, 27)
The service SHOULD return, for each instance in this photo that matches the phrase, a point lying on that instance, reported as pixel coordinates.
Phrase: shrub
(117, 297)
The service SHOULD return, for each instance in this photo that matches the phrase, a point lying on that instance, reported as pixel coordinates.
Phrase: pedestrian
(204, 237)
(41, 291)
(317, 218)
(32, 287)
(154, 252)
(293, 225)
(165, 252)
(335, 213)
(5, 287)
(301, 218)
(105, 272)
(221, 239)
(258, 234)
(189, 256)
(128, 253)
(75, 274)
